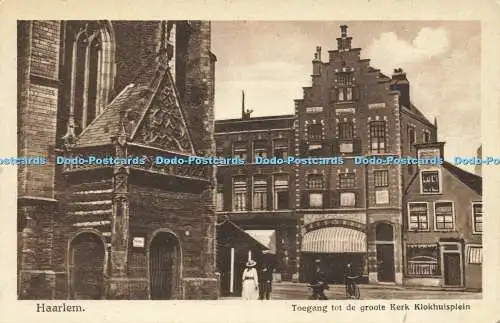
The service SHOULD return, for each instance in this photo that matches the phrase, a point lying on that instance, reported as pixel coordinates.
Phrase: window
(240, 150)
(346, 147)
(344, 93)
(477, 217)
(280, 148)
(346, 130)
(381, 178)
(426, 136)
(381, 182)
(411, 137)
(260, 148)
(341, 94)
(220, 195)
(315, 132)
(344, 90)
(239, 194)
(443, 212)
(349, 93)
(259, 193)
(281, 192)
(315, 200)
(475, 255)
(422, 260)
(315, 181)
(347, 199)
(430, 181)
(347, 180)
(418, 216)
(377, 136)
(89, 58)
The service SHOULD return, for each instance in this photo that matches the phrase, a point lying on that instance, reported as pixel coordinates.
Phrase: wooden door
(87, 267)
(385, 262)
(452, 269)
(164, 268)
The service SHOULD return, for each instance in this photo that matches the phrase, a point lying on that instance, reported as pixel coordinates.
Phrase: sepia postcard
(248, 161)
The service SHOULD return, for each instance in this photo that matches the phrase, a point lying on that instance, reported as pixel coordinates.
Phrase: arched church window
(89, 72)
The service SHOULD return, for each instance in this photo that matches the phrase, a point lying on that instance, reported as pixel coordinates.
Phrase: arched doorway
(86, 266)
(164, 266)
(384, 238)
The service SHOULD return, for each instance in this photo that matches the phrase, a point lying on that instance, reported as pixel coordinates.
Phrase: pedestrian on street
(266, 277)
(250, 282)
(319, 282)
(349, 279)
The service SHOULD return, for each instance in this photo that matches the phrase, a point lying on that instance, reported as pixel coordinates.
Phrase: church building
(126, 90)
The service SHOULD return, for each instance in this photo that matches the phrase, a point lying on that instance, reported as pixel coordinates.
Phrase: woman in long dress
(250, 289)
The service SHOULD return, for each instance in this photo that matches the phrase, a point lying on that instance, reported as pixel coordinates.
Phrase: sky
(264, 237)
(271, 62)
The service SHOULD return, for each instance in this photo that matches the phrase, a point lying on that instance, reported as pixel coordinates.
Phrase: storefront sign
(429, 153)
(138, 242)
(376, 105)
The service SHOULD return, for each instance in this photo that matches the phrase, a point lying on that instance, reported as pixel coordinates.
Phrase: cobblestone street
(296, 291)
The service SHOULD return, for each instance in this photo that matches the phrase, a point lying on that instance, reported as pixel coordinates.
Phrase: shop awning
(334, 240)
(475, 255)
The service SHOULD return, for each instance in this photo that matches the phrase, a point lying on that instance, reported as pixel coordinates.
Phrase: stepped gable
(150, 112)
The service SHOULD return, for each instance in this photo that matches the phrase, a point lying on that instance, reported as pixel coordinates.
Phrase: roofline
(416, 116)
(278, 117)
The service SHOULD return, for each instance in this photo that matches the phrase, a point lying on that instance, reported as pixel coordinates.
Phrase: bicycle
(318, 291)
(349, 293)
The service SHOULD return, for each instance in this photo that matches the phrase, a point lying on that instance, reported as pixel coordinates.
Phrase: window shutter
(304, 200)
(334, 95)
(303, 151)
(327, 199)
(334, 199)
(357, 146)
(355, 93)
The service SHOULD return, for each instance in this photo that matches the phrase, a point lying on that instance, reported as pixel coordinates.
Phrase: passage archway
(86, 266)
(164, 266)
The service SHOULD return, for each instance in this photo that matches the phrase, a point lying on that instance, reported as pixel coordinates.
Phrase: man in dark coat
(266, 275)
(318, 282)
(349, 278)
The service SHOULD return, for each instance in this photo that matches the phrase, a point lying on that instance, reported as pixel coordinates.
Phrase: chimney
(436, 128)
(317, 61)
(344, 42)
(242, 104)
(479, 155)
(400, 83)
(343, 31)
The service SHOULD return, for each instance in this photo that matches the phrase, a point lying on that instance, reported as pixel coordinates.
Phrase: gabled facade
(443, 225)
(345, 212)
(116, 89)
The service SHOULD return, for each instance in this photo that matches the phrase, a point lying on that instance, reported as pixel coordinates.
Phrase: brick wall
(137, 45)
(38, 105)
(153, 209)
